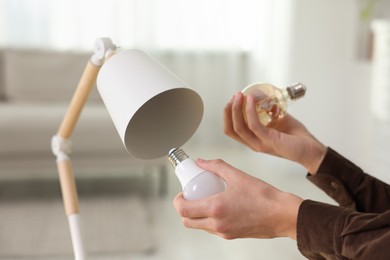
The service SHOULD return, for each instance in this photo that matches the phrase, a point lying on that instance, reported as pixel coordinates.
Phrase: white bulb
(195, 181)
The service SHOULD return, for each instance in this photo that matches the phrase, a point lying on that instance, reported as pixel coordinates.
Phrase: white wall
(317, 42)
(324, 55)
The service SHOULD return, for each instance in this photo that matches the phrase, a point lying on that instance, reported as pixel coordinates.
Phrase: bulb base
(176, 156)
(296, 91)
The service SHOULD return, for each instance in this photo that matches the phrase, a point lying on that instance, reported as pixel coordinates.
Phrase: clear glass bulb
(272, 102)
(195, 181)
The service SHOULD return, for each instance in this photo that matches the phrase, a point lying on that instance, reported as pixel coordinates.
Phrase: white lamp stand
(152, 109)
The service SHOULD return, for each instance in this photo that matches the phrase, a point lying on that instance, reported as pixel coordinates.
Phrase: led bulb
(195, 181)
(272, 102)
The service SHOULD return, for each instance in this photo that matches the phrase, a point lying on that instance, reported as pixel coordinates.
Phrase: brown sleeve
(330, 232)
(348, 185)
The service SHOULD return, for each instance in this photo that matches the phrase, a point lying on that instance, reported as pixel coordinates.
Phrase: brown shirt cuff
(331, 232)
(319, 226)
(329, 178)
(350, 186)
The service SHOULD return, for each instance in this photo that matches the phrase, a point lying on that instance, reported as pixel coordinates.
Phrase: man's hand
(287, 137)
(248, 208)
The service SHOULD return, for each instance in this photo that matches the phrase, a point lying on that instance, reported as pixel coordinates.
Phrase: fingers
(228, 122)
(244, 131)
(191, 208)
(210, 225)
(199, 214)
(264, 135)
(239, 125)
(193, 215)
(207, 206)
(250, 132)
(254, 124)
(198, 223)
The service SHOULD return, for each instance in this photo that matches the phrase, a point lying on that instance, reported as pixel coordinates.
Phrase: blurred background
(217, 47)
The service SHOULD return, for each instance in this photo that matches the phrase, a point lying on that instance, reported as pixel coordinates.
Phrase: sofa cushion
(43, 76)
(29, 128)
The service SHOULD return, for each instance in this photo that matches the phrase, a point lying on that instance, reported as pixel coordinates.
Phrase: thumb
(218, 167)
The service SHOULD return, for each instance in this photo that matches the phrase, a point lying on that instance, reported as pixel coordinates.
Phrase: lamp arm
(61, 145)
(103, 47)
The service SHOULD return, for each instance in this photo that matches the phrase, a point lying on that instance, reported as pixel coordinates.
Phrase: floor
(173, 241)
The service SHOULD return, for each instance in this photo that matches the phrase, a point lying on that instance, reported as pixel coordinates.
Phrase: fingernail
(200, 160)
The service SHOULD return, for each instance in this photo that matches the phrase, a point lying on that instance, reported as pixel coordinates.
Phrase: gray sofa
(35, 89)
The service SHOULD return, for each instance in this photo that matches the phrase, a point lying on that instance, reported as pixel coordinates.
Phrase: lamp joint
(61, 147)
(103, 47)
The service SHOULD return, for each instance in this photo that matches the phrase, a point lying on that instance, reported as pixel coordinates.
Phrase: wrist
(289, 213)
(317, 155)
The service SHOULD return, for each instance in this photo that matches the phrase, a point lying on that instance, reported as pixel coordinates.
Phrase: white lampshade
(152, 109)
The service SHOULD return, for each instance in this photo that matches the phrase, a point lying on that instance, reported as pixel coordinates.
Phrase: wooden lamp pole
(61, 145)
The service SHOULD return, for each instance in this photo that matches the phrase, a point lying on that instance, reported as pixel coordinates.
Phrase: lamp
(152, 109)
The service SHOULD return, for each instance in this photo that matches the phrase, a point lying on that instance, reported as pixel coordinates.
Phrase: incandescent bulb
(272, 102)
